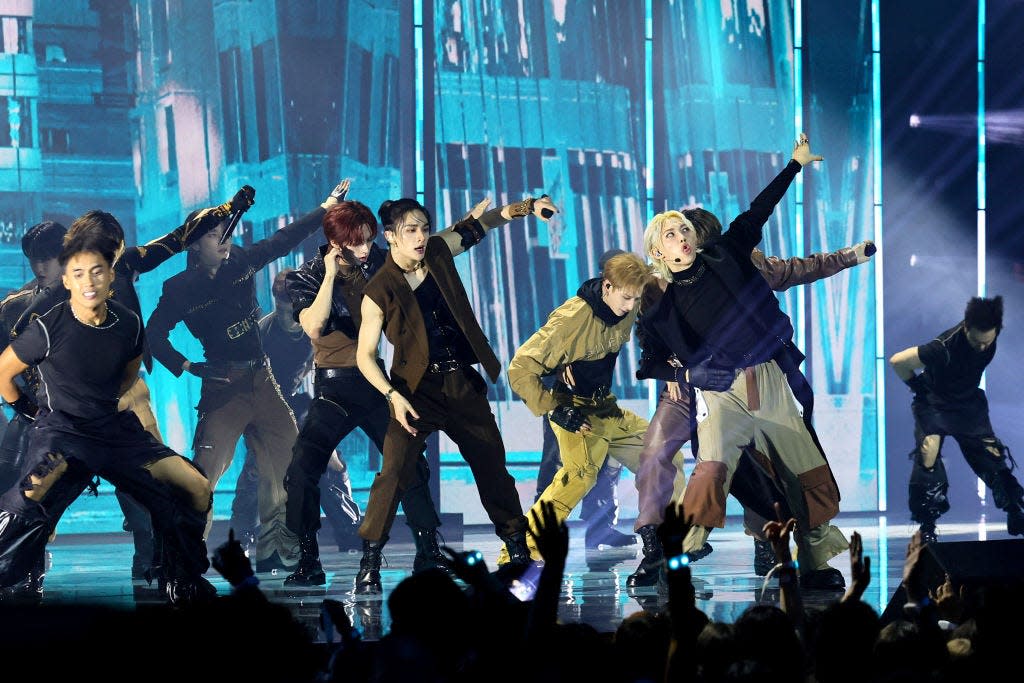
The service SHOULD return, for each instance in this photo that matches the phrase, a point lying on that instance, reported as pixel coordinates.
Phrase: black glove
(25, 407)
(705, 376)
(918, 384)
(230, 560)
(568, 418)
(212, 372)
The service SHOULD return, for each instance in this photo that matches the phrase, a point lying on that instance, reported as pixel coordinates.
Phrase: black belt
(443, 367)
(241, 327)
(240, 364)
(596, 395)
(334, 373)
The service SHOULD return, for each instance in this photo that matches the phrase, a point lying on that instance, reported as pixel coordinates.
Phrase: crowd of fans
(475, 630)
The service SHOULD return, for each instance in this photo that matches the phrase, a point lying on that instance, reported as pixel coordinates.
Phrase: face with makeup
(408, 237)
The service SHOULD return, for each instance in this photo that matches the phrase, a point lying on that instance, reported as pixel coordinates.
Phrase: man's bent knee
(181, 473)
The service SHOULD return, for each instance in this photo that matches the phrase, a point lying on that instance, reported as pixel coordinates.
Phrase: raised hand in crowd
(860, 569)
(233, 564)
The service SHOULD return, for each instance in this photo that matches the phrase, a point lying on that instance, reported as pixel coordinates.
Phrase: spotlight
(915, 120)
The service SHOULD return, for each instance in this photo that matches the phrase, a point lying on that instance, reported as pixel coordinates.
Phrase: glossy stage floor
(94, 568)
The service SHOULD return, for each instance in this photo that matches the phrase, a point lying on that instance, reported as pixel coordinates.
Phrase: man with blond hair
(580, 342)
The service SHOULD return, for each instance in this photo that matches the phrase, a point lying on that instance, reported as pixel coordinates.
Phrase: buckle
(238, 329)
(443, 367)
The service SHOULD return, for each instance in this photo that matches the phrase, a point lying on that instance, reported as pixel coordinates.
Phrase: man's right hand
(331, 262)
(210, 372)
(570, 419)
(403, 410)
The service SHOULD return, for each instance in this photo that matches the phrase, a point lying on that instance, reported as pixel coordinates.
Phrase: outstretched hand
(802, 153)
(673, 531)
(860, 569)
(864, 251)
(549, 533)
(230, 560)
(338, 194)
(913, 570)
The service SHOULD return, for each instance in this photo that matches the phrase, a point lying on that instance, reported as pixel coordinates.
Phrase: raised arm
(478, 222)
(145, 258)
(287, 238)
(745, 230)
(782, 274)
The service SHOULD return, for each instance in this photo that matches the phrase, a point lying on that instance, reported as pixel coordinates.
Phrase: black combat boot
(428, 554)
(309, 572)
(518, 550)
(653, 561)
(368, 578)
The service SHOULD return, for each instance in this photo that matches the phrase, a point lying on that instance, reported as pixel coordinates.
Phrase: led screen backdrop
(153, 108)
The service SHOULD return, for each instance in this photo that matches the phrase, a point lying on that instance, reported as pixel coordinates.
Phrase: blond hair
(627, 272)
(652, 238)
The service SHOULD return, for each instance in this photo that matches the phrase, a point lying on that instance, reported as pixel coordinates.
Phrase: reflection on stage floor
(95, 568)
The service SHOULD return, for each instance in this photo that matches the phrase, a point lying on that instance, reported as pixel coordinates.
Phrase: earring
(657, 253)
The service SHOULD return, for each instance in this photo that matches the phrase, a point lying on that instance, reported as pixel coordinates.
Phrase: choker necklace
(683, 281)
(106, 314)
(419, 266)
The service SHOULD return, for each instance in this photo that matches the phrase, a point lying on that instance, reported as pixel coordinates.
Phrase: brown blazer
(403, 320)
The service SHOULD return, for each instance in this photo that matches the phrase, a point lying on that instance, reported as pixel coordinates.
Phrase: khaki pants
(251, 404)
(615, 433)
(759, 406)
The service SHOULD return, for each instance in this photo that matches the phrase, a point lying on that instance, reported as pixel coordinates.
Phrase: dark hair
(278, 288)
(984, 314)
(89, 240)
(606, 256)
(705, 224)
(393, 209)
(43, 240)
(343, 223)
(99, 223)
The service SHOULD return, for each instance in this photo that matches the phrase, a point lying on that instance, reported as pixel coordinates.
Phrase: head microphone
(679, 260)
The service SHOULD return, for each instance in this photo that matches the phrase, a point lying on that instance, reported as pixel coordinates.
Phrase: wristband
(521, 209)
(387, 396)
(678, 562)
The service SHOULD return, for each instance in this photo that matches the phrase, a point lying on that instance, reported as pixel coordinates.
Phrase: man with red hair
(326, 294)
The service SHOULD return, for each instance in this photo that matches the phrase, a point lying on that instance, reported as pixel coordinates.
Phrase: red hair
(343, 223)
